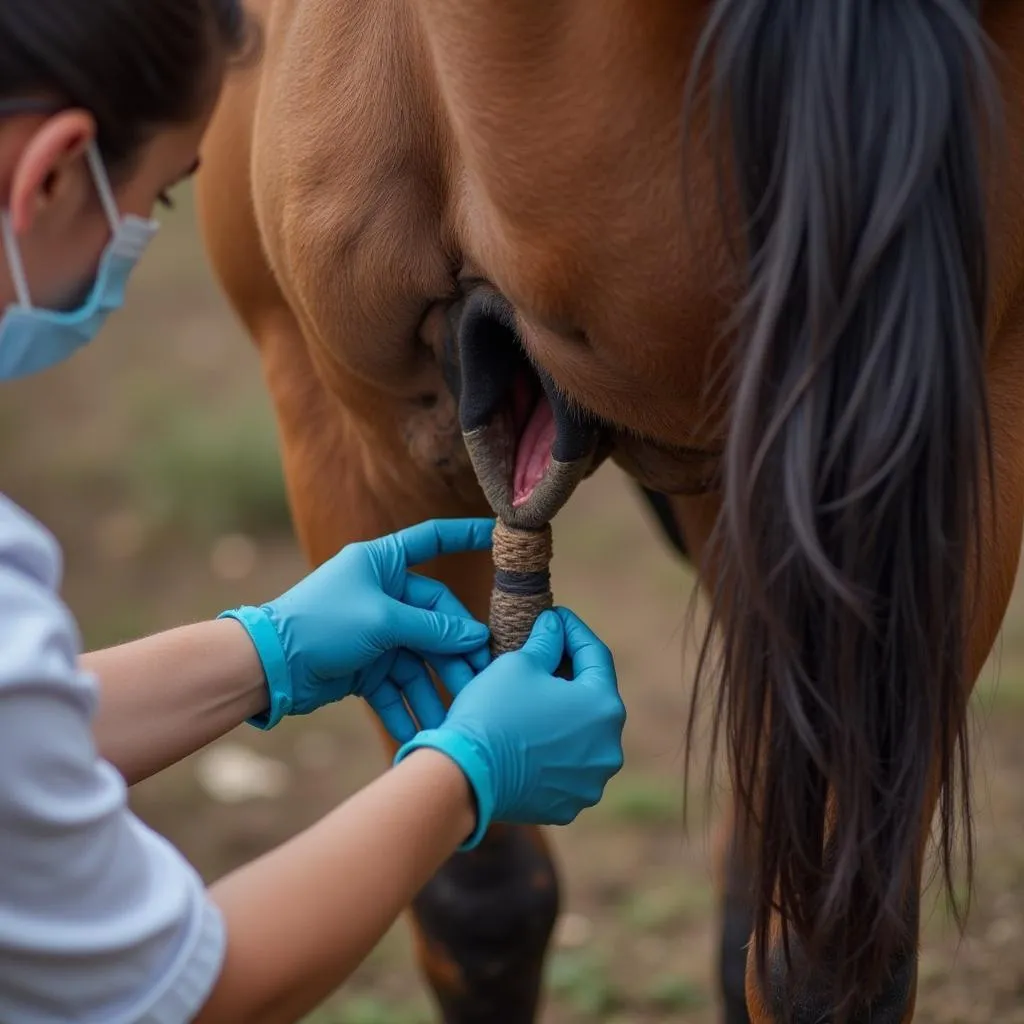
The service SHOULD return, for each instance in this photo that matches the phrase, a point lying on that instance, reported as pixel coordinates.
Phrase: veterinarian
(102, 108)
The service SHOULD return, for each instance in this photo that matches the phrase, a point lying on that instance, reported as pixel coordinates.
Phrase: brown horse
(763, 253)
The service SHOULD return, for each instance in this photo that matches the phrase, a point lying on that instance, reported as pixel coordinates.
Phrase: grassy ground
(153, 457)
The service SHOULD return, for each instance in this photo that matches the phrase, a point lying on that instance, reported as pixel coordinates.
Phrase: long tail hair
(852, 470)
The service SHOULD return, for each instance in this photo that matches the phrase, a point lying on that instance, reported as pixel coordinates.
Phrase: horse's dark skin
(798, 343)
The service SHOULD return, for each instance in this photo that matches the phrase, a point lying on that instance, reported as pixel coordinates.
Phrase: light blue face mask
(34, 339)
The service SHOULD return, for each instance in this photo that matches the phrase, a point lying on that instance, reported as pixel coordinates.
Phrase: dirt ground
(153, 457)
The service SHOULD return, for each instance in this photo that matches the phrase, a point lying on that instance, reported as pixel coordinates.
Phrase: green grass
(674, 994)
(371, 1010)
(1003, 690)
(210, 473)
(581, 979)
(115, 625)
(640, 800)
(653, 910)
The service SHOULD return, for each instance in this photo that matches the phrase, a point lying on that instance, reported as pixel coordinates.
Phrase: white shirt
(102, 921)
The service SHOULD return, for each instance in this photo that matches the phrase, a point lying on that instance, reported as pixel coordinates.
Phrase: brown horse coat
(386, 160)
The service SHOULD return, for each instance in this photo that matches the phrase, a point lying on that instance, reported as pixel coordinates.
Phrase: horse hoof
(486, 918)
(809, 1003)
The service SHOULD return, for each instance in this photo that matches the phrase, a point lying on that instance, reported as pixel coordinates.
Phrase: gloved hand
(341, 630)
(536, 748)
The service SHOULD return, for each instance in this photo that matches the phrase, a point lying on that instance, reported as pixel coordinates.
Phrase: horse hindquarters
(483, 924)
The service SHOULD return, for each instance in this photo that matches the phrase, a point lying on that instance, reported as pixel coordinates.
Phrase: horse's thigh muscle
(483, 923)
(225, 209)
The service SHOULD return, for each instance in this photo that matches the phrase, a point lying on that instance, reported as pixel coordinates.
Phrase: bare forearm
(303, 917)
(168, 695)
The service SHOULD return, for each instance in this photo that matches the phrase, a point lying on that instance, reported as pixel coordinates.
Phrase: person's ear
(46, 171)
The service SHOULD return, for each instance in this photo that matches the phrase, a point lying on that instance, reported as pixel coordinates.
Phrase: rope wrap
(522, 584)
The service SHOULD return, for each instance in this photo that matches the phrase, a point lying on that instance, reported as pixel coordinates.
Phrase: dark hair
(133, 65)
(858, 443)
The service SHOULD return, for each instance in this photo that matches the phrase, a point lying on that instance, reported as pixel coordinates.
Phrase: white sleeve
(101, 920)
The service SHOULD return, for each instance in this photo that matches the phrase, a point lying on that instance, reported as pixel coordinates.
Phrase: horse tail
(857, 437)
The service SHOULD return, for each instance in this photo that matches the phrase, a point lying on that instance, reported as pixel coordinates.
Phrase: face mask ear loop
(103, 189)
(14, 264)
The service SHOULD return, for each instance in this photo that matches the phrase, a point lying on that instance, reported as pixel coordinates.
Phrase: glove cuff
(466, 755)
(268, 646)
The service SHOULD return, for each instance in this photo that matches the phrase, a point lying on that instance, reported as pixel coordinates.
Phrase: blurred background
(153, 457)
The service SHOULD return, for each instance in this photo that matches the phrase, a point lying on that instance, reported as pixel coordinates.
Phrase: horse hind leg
(792, 996)
(1001, 527)
(733, 871)
(483, 923)
(737, 921)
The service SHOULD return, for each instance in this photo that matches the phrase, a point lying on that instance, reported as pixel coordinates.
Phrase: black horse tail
(856, 450)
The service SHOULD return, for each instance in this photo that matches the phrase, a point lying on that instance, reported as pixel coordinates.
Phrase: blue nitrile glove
(341, 630)
(536, 748)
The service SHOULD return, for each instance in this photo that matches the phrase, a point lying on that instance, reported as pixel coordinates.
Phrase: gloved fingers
(373, 674)
(591, 660)
(413, 680)
(479, 659)
(437, 537)
(565, 813)
(454, 672)
(433, 632)
(546, 642)
(386, 701)
(432, 595)
(558, 812)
